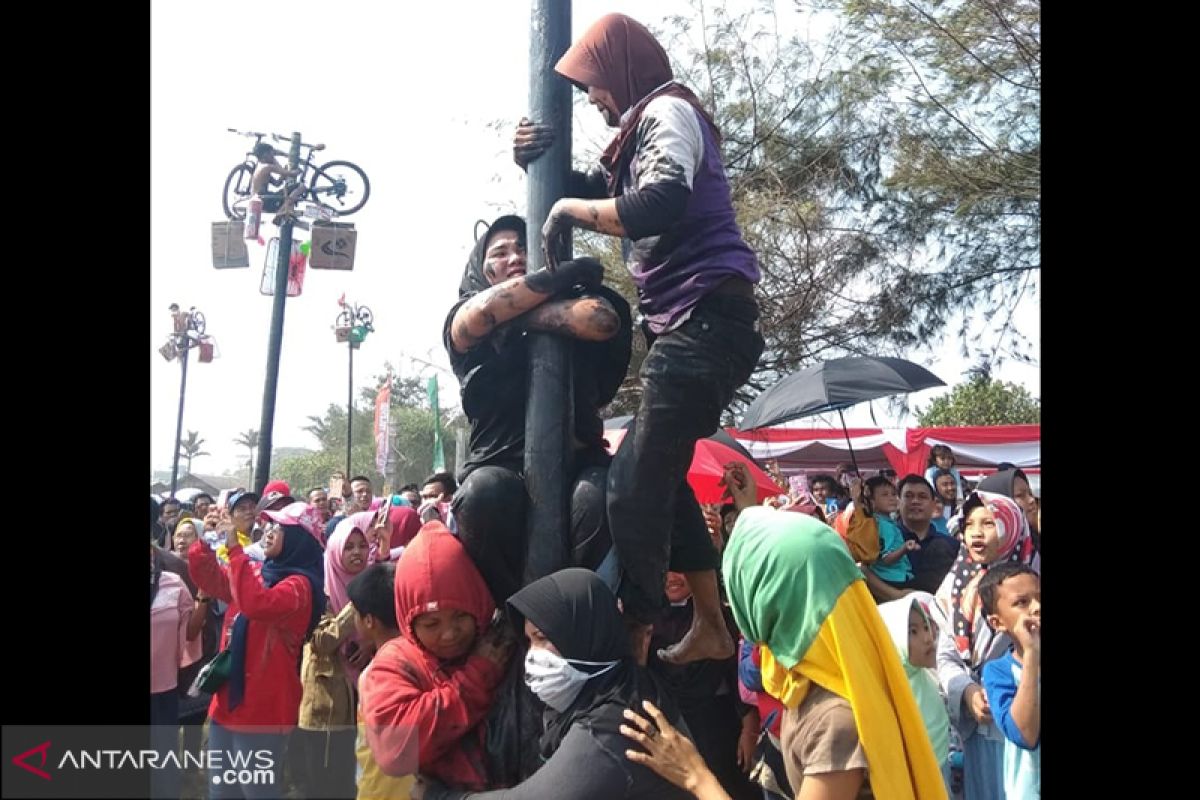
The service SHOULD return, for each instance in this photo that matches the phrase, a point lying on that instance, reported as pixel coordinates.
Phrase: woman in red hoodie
(269, 617)
(428, 691)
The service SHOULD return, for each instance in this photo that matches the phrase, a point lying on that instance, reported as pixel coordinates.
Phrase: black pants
(688, 378)
(716, 727)
(490, 506)
(323, 764)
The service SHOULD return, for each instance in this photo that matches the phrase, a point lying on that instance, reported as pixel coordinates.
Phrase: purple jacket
(674, 270)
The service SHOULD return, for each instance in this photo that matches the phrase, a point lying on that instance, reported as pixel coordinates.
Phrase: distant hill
(232, 477)
(287, 452)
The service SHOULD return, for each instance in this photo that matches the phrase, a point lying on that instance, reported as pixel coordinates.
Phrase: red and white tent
(905, 450)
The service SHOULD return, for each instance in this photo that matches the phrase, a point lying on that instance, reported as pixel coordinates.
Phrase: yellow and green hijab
(795, 590)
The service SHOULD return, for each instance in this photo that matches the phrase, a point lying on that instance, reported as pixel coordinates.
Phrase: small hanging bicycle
(351, 315)
(339, 186)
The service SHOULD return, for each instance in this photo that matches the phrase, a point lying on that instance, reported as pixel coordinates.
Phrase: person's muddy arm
(592, 319)
(489, 309)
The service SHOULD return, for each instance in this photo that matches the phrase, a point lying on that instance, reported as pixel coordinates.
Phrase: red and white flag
(383, 402)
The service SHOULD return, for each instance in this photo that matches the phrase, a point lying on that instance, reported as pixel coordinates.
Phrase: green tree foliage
(886, 172)
(982, 401)
(411, 439)
(959, 83)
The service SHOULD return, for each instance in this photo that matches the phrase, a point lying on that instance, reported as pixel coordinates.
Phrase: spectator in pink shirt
(174, 643)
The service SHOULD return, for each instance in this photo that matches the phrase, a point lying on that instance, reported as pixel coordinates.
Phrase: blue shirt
(891, 539)
(1022, 760)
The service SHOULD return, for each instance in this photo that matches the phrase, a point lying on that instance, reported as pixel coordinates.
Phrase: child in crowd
(939, 520)
(768, 769)
(858, 527)
(373, 598)
(994, 532)
(942, 457)
(915, 636)
(892, 566)
(430, 688)
(1011, 594)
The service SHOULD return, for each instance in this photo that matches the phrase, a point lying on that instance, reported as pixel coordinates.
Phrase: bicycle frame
(312, 182)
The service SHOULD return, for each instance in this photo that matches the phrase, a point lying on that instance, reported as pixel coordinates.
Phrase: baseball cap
(273, 500)
(299, 513)
(238, 496)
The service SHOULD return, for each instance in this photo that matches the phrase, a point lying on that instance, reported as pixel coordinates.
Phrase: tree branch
(941, 29)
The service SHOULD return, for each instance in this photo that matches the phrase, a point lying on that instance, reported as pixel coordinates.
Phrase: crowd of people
(846, 638)
(365, 649)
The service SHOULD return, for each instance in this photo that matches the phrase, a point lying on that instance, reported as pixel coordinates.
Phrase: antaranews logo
(245, 768)
(22, 762)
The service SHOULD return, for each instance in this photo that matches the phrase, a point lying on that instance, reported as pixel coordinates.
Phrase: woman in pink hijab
(405, 524)
(387, 535)
(333, 659)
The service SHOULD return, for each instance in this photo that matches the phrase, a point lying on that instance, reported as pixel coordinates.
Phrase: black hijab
(578, 614)
(1002, 482)
(473, 280)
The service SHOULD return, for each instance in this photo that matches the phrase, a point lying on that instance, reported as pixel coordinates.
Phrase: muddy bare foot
(702, 642)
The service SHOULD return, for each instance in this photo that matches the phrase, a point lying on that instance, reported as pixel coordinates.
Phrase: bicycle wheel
(365, 317)
(340, 186)
(198, 322)
(237, 191)
(344, 320)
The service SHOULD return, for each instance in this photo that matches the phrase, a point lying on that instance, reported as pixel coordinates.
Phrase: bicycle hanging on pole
(341, 187)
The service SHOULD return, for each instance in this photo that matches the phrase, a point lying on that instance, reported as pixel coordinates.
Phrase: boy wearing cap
(238, 517)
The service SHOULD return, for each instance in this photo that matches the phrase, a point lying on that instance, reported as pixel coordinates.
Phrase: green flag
(439, 458)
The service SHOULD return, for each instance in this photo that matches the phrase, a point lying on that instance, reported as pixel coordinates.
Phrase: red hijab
(618, 54)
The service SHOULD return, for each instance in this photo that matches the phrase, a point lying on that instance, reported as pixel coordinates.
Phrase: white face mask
(554, 680)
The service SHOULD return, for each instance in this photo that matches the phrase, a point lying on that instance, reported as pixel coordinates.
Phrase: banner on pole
(439, 455)
(383, 401)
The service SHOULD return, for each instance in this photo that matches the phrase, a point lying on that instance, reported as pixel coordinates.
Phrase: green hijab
(784, 573)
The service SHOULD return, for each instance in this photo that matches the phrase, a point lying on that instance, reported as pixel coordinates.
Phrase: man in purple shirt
(662, 185)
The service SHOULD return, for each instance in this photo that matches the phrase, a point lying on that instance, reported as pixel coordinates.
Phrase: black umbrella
(836, 385)
(722, 436)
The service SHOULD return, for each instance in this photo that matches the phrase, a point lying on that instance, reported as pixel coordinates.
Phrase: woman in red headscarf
(661, 184)
(429, 690)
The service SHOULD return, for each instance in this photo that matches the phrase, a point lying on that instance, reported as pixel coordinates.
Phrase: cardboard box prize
(333, 245)
(228, 246)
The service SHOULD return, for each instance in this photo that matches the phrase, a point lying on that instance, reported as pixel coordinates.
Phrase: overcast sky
(422, 96)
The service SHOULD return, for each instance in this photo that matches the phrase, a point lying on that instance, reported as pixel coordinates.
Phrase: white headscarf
(924, 684)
